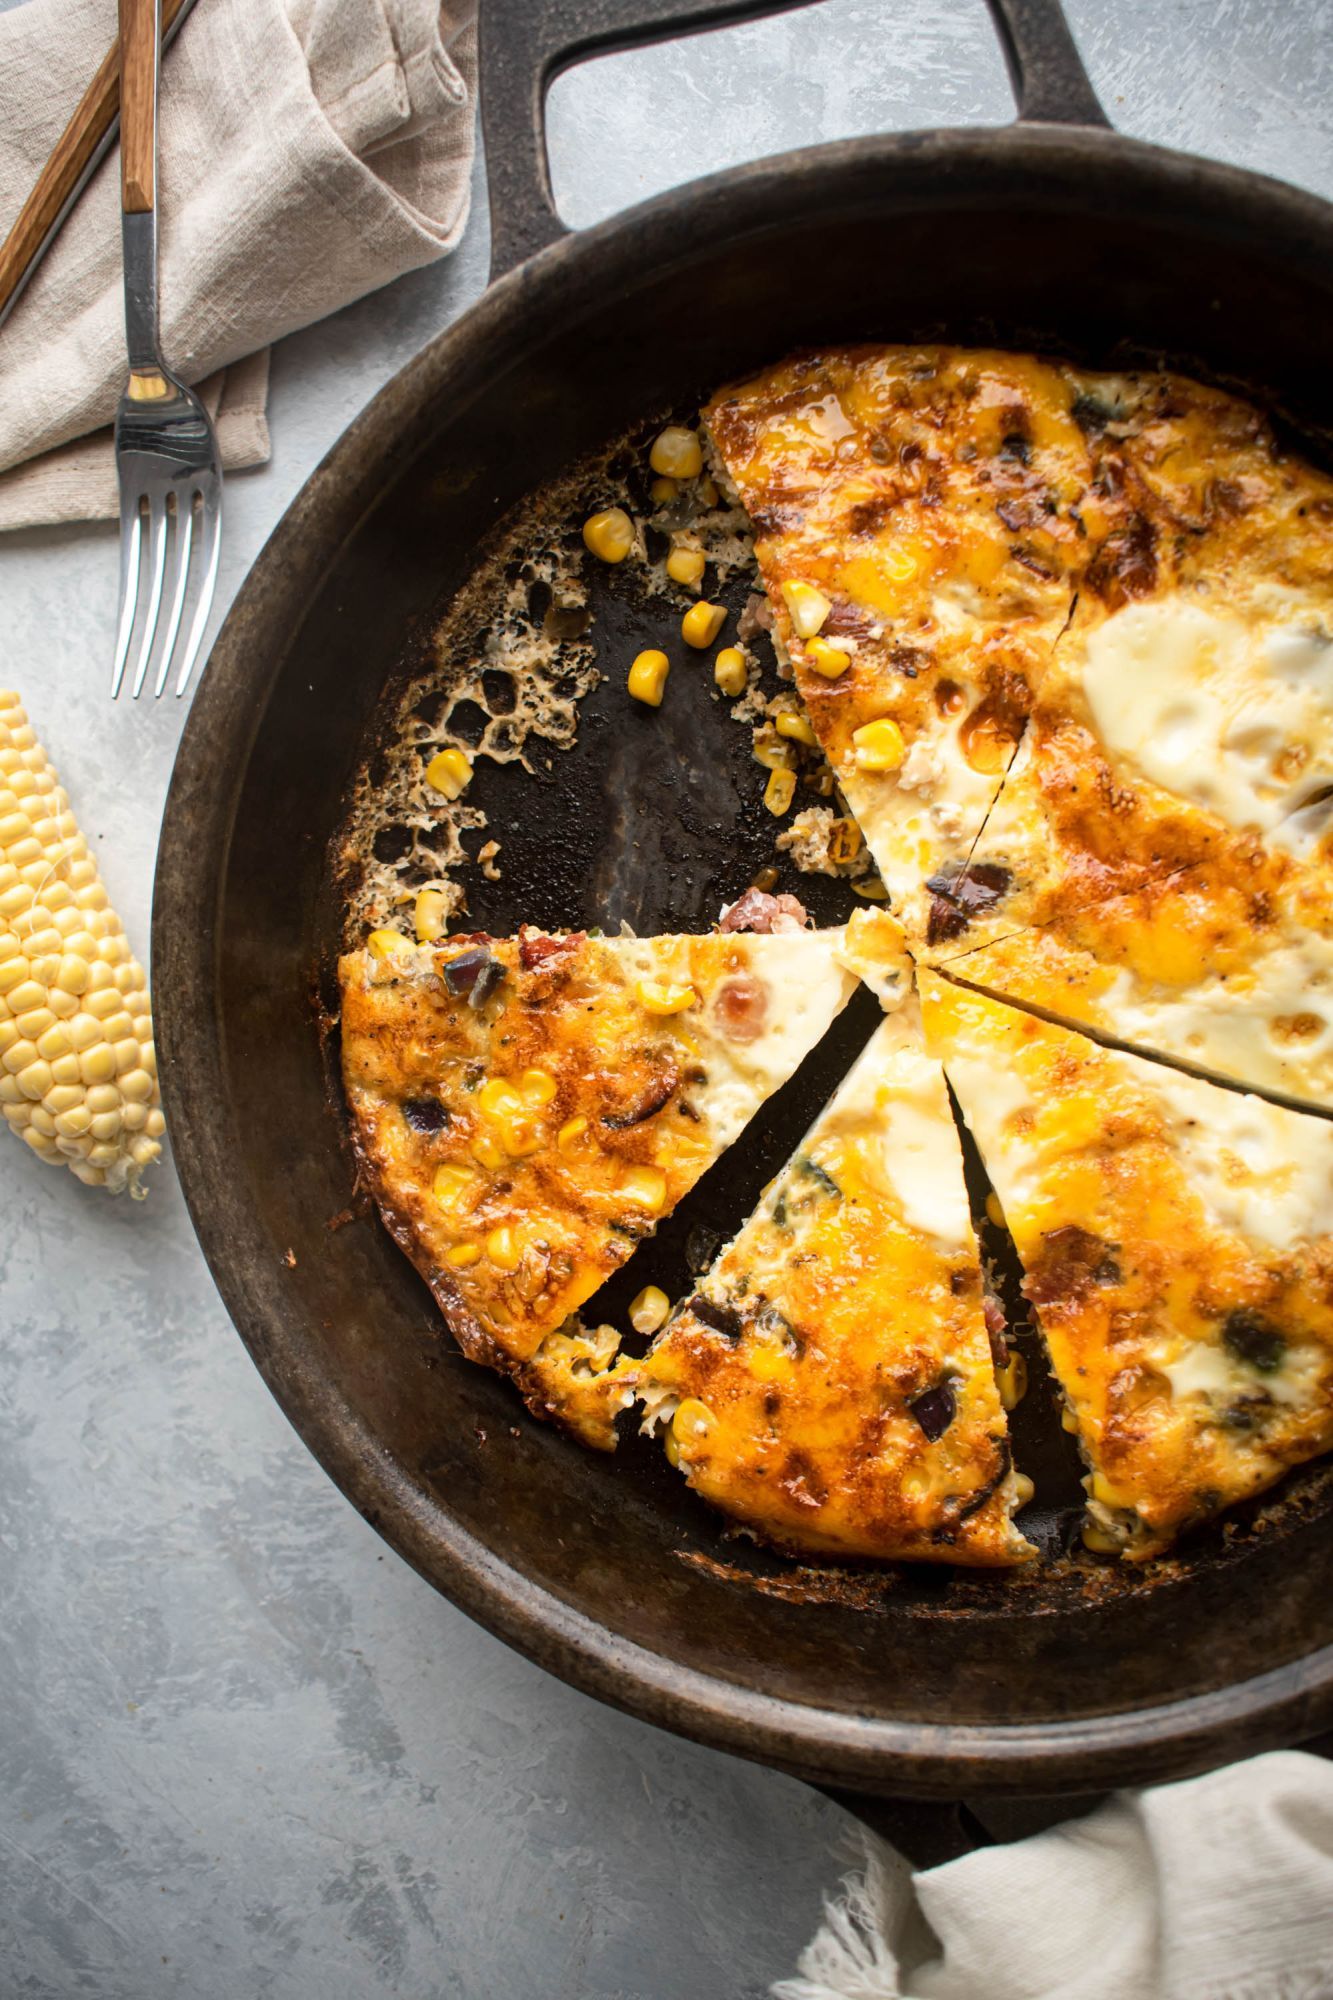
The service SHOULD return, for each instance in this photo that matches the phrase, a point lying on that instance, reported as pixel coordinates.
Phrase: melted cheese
(1207, 1368)
(894, 1108)
(1233, 713)
(1261, 1172)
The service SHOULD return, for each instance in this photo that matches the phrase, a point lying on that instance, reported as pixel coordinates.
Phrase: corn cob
(78, 1076)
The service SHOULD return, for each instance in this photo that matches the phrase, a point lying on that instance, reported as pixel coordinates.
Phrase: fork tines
(170, 482)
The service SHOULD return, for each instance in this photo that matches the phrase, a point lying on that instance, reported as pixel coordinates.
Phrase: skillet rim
(825, 1745)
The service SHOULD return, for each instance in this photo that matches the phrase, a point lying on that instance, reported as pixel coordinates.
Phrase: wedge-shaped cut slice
(1186, 718)
(916, 515)
(1177, 1238)
(830, 1383)
(1210, 973)
(526, 1109)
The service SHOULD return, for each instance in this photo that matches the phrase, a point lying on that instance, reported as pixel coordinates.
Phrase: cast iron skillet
(1053, 232)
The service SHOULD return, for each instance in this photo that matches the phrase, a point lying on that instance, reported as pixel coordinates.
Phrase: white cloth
(310, 151)
(1219, 1888)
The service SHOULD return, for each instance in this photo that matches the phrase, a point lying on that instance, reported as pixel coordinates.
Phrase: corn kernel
(430, 915)
(537, 1086)
(773, 754)
(1012, 1380)
(648, 1309)
(807, 606)
(677, 453)
(645, 1187)
(659, 996)
(609, 535)
(994, 1211)
(503, 1248)
(522, 1136)
(462, 1256)
(789, 722)
(380, 944)
(97, 1064)
(1068, 1421)
(1099, 1541)
(662, 490)
(691, 1419)
(871, 888)
(708, 493)
(450, 772)
(451, 1185)
(729, 672)
(686, 566)
(779, 791)
(648, 677)
(879, 746)
(1023, 1489)
(36, 1079)
(570, 1133)
(487, 1152)
(828, 661)
(498, 1098)
(702, 623)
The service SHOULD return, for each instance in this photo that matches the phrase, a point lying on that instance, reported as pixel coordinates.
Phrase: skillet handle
(525, 44)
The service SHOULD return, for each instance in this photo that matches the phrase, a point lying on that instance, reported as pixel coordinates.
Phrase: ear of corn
(78, 1074)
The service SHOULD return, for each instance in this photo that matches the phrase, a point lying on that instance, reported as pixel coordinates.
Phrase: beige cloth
(310, 151)
(1220, 1888)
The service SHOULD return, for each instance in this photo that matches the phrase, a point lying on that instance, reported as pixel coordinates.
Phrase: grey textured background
(243, 1751)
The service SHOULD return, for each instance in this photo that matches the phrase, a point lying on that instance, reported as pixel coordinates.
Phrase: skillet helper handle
(525, 44)
(140, 35)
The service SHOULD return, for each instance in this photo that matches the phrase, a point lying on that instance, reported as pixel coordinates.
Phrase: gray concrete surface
(243, 1751)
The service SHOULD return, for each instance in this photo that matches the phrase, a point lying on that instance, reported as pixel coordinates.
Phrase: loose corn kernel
(537, 1086)
(1068, 1421)
(708, 493)
(879, 746)
(790, 722)
(779, 791)
(649, 1309)
(729, 672)
(463, 1255)
(993, 1209)
(663, 490)
(702, 623)
(452, 1185)
(871, 888)
(808, 608)
(1099, 1541)
(685, 566)
(1023, 1489)
(380, 944)
(829, 661)
(1012, 1380)
(430, 915)
(677, 453)
(772, 753)
(660, 997)
(503, 1248)
(450, 772)
(570, 1133)
(77, 1080)
(488, 1152)
(645, 1187)
(609, 535)
(648, 677)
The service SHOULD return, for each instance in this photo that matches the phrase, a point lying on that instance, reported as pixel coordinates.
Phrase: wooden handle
(93, 119)
(138, 105)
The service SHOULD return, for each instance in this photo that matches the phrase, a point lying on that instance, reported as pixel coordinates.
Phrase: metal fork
(166, 453)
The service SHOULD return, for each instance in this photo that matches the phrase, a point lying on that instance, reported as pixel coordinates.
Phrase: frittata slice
(830, 1383)
(1177, 1238)
(526, 1109)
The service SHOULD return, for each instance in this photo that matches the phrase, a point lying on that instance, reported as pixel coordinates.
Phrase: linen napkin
(309, 152)
(1220, 1888)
